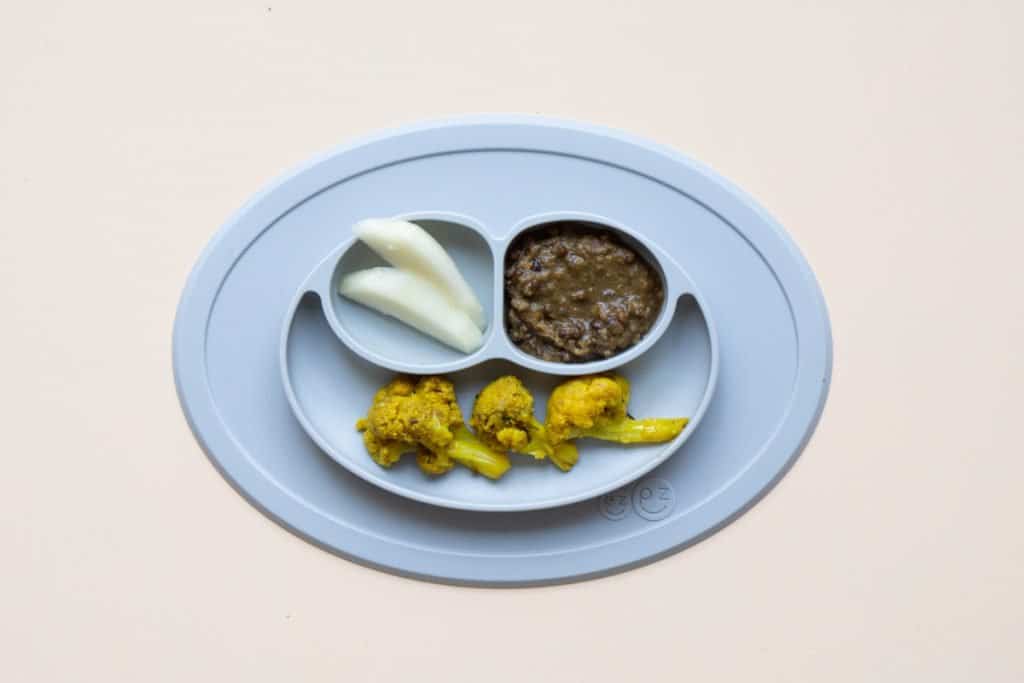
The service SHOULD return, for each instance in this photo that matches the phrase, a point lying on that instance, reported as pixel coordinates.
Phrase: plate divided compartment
(273, 367)
(329, 384)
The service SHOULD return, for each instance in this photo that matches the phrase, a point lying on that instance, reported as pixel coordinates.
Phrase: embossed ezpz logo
(615, 505)
(652, 499)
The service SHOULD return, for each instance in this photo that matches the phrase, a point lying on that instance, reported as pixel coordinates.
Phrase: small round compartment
(386, 341)
(674, 284)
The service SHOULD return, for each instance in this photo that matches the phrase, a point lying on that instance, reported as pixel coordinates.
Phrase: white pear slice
(414, 301)
(407, 246)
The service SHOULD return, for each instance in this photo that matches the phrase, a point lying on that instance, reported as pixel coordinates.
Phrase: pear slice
(409, 247)
(416, 302)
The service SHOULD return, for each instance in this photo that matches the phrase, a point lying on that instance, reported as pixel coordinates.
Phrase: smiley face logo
(653, 499)
(614, 505)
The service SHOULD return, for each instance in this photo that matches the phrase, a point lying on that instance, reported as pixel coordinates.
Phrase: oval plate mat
(773, 329)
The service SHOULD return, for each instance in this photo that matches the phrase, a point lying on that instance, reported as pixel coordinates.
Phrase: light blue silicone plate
(273, 368)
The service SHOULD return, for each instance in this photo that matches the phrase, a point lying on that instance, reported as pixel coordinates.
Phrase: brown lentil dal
(575, 293)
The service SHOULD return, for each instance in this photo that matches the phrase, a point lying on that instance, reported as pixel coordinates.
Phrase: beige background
(886, 136)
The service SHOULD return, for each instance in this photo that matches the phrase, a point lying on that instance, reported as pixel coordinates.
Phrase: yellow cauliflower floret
(409, 415)
(503, 417)
(595, 406)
